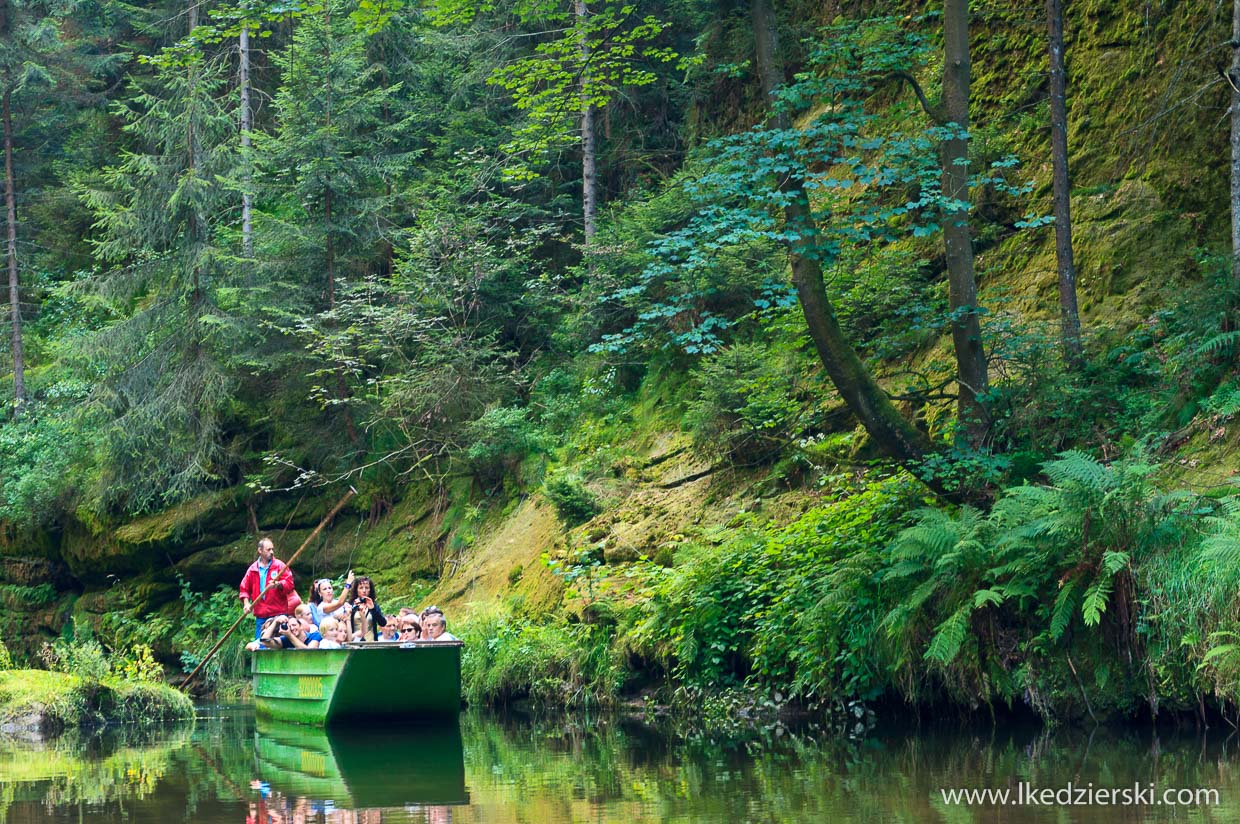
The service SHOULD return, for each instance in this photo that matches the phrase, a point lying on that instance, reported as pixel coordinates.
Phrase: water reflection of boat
(318, 686)
(353, 769)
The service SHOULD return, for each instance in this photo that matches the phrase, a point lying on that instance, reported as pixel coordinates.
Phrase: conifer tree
(44, 47)
(326, 170)
(327, 162)
(159, 212)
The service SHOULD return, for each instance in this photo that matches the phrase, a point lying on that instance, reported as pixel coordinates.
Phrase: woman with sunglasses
(323, 605)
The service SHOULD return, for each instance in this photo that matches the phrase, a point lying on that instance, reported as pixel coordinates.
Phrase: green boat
(352, 769)
(322, 686)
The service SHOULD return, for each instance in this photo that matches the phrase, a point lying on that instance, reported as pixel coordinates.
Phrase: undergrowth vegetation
(1090, 594)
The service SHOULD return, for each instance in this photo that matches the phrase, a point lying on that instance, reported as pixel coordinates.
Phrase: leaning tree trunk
(589, 150)
(10, 210)
(1069, 317)
(971, 372)
(891, 431)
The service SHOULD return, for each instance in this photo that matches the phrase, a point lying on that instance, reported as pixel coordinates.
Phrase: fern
(987, 596)
(1061, 612)
(949, 636)
(1113, 562)
(1095, 602)
(1228, 649)
(1220, 343)
(1077, 469)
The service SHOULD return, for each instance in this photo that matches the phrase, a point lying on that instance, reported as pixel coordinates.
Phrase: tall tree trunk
(958, 241)
(589, 159)
(891, 431)
(1069, 316)
(197, 224)
(243, 81)
(1233, 76)
(329, 250)
(10, 210)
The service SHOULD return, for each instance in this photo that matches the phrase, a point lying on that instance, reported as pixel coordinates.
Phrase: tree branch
(934, 112)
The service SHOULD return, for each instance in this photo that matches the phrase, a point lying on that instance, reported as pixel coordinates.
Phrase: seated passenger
(328, 629)
(435, 628)
(390, 632)
(303, 612)
(323, 604)
(281, 632)
(366, 617)
(312, 636)
(410, 629)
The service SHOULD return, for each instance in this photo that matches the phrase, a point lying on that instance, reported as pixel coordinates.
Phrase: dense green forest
(829, 351)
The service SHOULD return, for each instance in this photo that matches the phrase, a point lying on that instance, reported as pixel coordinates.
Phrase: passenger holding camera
(365, 616)
(285, 632)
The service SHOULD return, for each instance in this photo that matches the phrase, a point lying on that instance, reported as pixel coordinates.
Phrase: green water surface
(492, 768)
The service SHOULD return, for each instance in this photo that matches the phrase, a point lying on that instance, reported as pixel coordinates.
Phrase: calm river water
(225, 768)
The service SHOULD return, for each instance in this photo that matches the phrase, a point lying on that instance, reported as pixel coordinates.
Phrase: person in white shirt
(435, 628)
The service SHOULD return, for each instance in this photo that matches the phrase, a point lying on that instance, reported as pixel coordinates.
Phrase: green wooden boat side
(391, 682)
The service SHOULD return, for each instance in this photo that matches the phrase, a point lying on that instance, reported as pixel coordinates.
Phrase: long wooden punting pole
(326, 519)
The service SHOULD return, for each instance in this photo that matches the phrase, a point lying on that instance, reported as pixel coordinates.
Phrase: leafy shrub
(746, 403)
(498, 442)
(789, 607)
(506, 657)
(6, 660)
(572, 501)
(976, 599)
(38, 453)
(83, 657)
(206, 618)
(137, 665)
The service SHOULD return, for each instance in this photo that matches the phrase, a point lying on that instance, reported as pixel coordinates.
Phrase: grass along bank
(83, 686)
(45, 702)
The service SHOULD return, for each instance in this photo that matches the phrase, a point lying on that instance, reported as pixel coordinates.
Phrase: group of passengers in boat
(327, 621)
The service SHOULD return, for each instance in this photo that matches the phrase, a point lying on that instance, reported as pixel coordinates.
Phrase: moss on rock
(42, 702)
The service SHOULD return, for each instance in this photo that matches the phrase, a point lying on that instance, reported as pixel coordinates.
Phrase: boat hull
(388, 682)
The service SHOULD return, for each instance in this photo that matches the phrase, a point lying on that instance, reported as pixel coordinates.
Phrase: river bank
(37, 703)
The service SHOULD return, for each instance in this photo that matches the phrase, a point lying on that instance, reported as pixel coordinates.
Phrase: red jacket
(276, 599)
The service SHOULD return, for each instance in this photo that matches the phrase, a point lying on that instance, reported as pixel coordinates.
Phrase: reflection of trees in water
(82, 769)
(569, 770)
(158, 769)
(605, 769)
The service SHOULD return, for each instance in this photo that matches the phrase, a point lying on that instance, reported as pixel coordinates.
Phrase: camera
(282, 626)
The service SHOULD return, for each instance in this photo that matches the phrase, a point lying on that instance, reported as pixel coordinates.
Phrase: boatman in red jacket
(273, 575)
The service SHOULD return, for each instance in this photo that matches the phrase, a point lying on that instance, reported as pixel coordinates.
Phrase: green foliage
(602, 50)
(21, 596)
(746, 403)
(572, 501)
(791, 607)
(499, 441)
(6, 661)
(137, 665)
(204, 621)
(507, 657)
(39, 456)
(81, 657)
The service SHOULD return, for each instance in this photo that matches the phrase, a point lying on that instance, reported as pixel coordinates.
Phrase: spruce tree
(159, 213)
